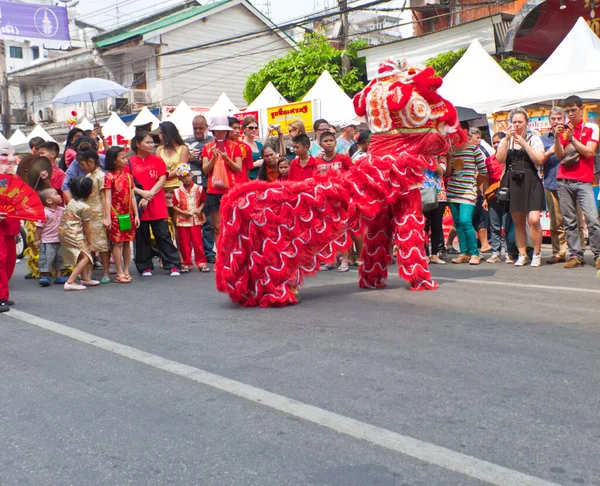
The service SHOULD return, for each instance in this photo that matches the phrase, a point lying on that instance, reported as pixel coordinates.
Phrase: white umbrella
(89, 90)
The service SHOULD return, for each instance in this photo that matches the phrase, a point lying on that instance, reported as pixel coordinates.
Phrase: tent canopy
(573, 68)
(182, 117)
(85, 124)
(476, 81)
(267, 98)
(336, 105)
(38, 131)
(18, 138)
(114, 126)
(223, 107)
(145, 116)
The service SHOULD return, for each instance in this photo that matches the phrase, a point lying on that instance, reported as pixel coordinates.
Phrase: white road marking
(519, 285)
(424, 451)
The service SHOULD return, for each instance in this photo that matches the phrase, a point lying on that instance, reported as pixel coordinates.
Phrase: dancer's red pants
(189, 237)
(8, 259)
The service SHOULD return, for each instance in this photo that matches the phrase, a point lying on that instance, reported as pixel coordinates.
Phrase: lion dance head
(404, 99)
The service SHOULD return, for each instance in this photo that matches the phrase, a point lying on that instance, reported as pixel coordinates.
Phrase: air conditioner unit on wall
(140, 97)
(48, 114)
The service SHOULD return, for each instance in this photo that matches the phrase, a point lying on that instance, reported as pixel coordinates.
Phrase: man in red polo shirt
(574, 180)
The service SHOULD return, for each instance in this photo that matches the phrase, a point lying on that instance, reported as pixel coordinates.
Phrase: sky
(104, 12)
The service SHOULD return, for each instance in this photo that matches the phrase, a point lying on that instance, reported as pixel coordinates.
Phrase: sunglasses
(252, 127)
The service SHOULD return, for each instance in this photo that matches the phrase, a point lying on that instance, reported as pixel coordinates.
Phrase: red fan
(19, 200)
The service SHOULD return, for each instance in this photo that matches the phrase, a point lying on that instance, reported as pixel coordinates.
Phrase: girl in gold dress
(75, 235)
(90, 163)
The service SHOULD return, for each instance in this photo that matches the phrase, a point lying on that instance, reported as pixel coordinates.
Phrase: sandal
(128, 277)
(185, 269)
(343, 269)
(122, 279)
(204, 268)
(326, 267)
(105, 280)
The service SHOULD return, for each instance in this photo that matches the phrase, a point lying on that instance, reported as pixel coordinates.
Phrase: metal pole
(344, 31)
(5, 99)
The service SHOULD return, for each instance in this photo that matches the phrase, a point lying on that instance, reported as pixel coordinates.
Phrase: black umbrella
(467, 114)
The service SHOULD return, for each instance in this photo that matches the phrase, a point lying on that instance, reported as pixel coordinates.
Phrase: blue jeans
(500, 218)
(462, 214)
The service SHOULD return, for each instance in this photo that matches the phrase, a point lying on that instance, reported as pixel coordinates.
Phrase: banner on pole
(33, 21)
(286, 114)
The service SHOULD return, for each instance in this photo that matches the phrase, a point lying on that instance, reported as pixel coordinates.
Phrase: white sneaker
(147, 273)
(537, 260)
(522, 261)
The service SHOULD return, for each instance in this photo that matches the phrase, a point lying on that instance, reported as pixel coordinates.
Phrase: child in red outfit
(188, 203)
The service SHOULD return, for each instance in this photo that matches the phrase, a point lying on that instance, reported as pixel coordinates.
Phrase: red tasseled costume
(274, 234)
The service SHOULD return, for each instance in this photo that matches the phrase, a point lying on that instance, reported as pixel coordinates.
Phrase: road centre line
(424, 451)
(519, 285)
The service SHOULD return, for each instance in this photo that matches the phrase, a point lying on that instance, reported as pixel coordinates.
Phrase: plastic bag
(219, 175)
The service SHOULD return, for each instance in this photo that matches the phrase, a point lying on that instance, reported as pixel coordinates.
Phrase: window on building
(16, 52)
(139, 80)
(35, 52)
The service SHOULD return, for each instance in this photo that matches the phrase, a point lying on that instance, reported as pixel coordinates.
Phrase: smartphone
(221, 145)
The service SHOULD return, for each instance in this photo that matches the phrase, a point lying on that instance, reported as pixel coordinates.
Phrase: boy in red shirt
(303, 166)
(331, 159)
(188, 203)
(246, 151)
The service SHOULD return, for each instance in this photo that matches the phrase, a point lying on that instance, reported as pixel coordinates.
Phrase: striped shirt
(462, 185)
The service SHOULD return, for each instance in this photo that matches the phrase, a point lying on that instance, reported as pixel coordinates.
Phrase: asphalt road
(496, 375)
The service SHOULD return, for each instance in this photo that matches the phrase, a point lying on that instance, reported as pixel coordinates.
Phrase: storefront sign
(33, 21)
(286, 114)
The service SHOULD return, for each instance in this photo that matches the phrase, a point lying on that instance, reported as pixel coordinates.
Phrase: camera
(503, 195)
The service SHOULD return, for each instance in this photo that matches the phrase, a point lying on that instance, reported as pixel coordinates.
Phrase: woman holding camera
(522, 152)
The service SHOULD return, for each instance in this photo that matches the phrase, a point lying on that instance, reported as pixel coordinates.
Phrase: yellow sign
(286, 114)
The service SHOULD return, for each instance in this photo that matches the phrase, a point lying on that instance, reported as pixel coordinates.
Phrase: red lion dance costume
(274, 234)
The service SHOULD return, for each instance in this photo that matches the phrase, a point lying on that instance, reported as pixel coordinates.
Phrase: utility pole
(5, 99)
(344, 32)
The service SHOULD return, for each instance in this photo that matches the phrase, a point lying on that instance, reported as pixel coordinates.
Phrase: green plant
(296, 72)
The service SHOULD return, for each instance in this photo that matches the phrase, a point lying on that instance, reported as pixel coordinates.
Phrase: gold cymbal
(39, 165)
(24, 166)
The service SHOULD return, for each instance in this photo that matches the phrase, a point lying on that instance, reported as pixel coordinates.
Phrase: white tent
(335, 105)
(85, 124)
(182, 117)
(223, 107)
(145, 116)
(572, 69)
(114, 126)
(18, 138)
(267, 98)
(477, 81)
(38, 131)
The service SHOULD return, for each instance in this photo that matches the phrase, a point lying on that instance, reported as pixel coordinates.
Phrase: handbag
(124, 219)
(429, 198)
(219, 175)
(570, 158)
(136, 183)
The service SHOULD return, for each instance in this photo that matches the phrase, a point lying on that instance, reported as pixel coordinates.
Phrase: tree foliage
(518, 69)
(296, 72)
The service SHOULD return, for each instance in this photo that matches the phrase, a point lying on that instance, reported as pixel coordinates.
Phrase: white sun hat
(220, 124)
